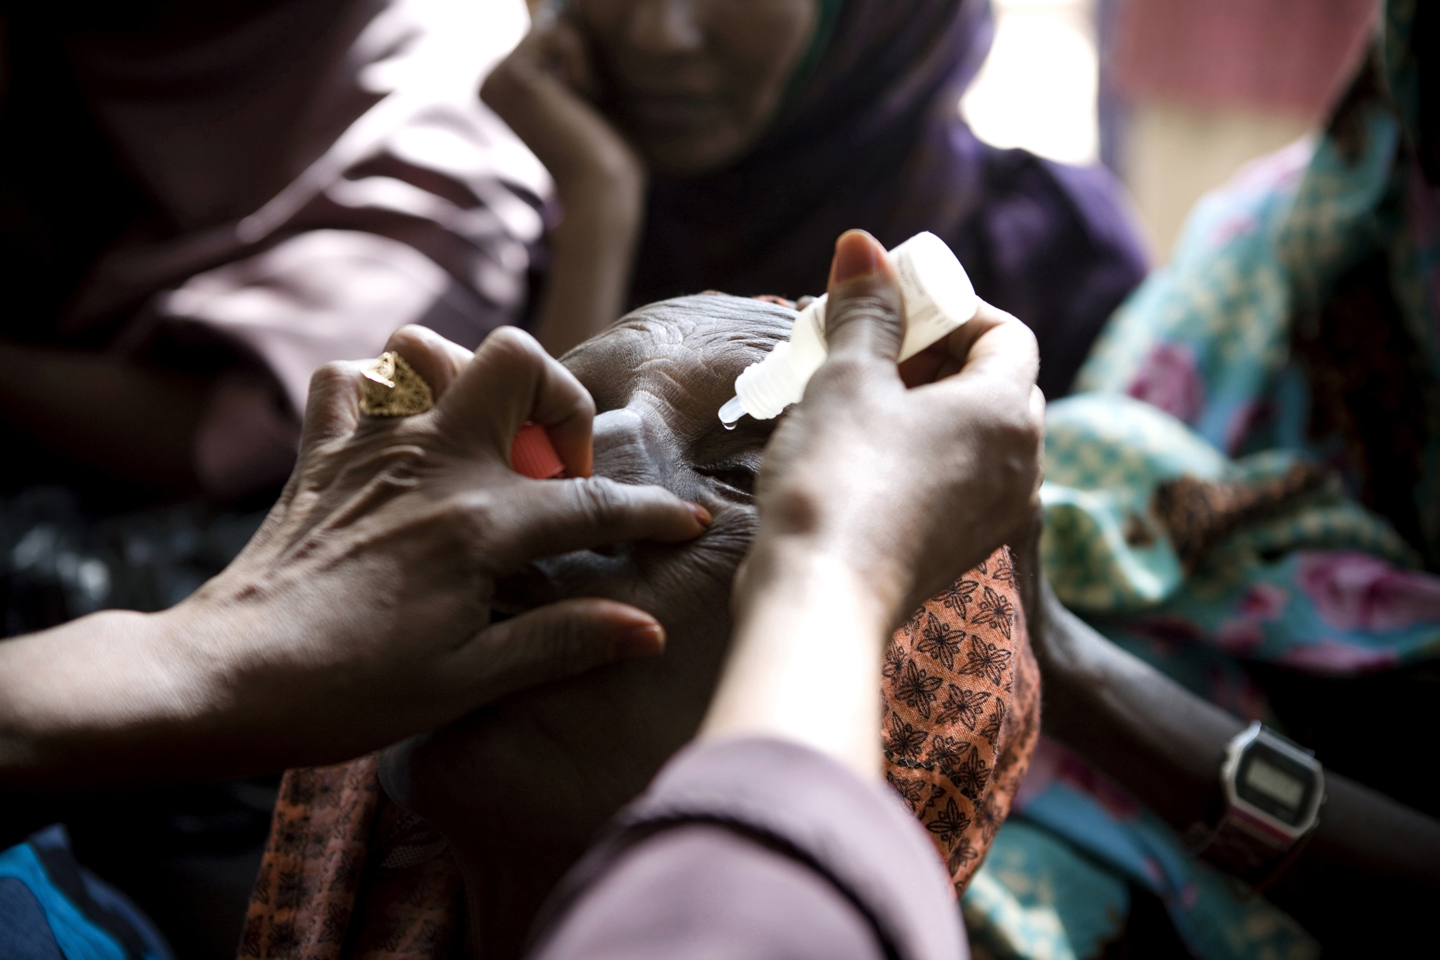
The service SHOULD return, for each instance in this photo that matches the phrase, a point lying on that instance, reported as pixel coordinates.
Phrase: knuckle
(1016, 436)
(599, 500)
(1026, 428)
(1023, 450)
(1024, 338)
(859, 308)
(584, 403)
(333, 375)
(509, 343)
(410, 337)
(1019, 421)
(570, 643)
(1024, 332)
(473, 517)
(993, 314)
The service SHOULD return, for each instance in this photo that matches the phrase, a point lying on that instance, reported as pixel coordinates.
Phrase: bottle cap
(533, 455)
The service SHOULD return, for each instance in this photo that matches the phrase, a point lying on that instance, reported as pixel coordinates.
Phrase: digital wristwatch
(1273, 791)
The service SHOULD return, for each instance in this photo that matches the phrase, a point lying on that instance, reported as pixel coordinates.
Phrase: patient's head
(539, 772)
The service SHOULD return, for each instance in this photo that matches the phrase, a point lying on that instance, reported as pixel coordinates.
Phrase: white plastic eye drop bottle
(938, 298)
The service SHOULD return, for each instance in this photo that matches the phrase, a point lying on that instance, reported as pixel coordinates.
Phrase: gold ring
(393, 388)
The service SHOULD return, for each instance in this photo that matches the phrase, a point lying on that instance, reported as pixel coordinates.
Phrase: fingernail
(641, 640)
(700, 513)
(856, 255)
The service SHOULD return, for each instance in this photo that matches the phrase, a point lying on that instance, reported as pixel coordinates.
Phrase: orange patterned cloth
(962, 711)
(348, 874)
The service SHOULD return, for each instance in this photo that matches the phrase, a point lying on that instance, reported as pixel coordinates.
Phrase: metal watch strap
(1244, 847)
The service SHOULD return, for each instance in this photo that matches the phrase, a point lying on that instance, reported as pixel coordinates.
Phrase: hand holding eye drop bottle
(938, 298)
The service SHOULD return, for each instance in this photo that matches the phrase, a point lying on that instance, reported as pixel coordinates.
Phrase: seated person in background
(477, 822)
(202, 203)
(199, 204)
(723, 145)
(1248, 500)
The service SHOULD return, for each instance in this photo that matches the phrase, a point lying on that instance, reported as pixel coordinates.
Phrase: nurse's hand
(879, 489)
(907, 476)
(359, 613)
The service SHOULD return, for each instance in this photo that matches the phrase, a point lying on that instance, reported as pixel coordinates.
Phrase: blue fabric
(39, 920)
(24, 932)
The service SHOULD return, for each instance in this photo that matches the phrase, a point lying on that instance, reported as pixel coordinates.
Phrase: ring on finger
(392, 388)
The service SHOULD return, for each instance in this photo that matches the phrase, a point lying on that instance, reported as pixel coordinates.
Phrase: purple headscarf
(874, 139)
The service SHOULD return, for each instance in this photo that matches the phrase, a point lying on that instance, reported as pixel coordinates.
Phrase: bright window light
(1037, 89)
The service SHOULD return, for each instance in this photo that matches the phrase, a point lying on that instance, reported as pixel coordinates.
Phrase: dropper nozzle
(731, 412)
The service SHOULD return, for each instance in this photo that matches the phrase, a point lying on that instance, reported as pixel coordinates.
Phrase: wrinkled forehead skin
(545, 768)
(686, 351)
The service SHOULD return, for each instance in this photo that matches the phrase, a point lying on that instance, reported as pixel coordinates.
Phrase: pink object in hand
(533, 455)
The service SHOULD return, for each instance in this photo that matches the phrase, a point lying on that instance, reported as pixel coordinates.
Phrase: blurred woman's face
(695, 82)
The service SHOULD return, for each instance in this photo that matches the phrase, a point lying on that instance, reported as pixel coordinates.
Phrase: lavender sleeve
(756, 848)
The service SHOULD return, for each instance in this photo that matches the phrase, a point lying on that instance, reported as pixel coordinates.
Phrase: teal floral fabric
(1194, 377)
(1057, 882)
(1197, 396)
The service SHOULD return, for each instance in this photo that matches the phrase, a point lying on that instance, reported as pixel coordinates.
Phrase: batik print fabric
(347, 874)
(1219, 496)
(962, 710)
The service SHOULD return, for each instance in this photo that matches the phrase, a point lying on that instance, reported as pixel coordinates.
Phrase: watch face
(1275, 783)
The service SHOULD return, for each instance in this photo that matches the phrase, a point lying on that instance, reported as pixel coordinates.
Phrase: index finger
(438, 360)
(512, 379)
(992, 343)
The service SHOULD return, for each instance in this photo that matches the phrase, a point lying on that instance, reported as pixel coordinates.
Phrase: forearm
(1165, 745)
(805, 660)
(592, 254)
(109, 698)
(1147, 733)
(131, 422)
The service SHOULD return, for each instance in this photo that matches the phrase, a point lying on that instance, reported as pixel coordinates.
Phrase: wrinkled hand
(545, 91)
(907, 487)
(359, 613)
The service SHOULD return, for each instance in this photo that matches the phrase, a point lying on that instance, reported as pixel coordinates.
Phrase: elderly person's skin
(520, 789)
(359, 612)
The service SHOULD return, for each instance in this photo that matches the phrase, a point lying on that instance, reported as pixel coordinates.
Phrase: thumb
(864, 317)
(552, 643)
